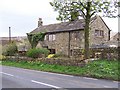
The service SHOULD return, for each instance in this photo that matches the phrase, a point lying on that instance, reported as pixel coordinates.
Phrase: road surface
(13, 77)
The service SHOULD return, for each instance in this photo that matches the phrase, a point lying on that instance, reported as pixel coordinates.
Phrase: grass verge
(104, 69)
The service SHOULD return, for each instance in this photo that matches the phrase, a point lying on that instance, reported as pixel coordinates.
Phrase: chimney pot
(40, 22)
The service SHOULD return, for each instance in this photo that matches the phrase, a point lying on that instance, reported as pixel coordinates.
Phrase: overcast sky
(22, 16)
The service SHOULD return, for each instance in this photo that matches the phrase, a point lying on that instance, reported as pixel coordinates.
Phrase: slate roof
(62, 27)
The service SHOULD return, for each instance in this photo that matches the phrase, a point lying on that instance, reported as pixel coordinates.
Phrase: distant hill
(5, 40)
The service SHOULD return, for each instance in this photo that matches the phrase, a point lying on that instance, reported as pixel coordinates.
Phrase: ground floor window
(45, 47)
(52, 51)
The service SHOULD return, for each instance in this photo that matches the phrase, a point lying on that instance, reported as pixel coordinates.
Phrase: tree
(70, 10)
(24, 44)
(10, 49)
(35, 38)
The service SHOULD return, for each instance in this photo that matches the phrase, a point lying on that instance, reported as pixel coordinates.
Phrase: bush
(37, 52)
(50, 55)
(2, 57)
(60, 54)
(10, 49)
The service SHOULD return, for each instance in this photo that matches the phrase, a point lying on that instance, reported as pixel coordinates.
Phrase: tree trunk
(87, 22)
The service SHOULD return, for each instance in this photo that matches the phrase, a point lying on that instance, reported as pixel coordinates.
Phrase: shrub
(37, 52)
(2, 57)
(60, 54)
(10, 49)
(50, 55)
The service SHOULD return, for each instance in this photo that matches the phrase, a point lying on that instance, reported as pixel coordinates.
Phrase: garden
(40, 59)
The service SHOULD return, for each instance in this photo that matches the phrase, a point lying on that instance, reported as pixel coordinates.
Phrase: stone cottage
(66, 36)
(116, 37)
(114, 40)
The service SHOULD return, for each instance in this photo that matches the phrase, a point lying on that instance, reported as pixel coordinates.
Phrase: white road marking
(32, 80)
(7, 74)
(115, 81)
(106, 86)
(45, 84)
(90, 78)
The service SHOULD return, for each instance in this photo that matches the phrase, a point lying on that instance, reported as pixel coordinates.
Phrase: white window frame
(99, 33)
(51, 37)
(45, 37)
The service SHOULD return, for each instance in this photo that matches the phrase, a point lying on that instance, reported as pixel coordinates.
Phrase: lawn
(105, 69)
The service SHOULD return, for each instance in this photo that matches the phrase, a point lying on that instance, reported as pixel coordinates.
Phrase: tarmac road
(13, 77)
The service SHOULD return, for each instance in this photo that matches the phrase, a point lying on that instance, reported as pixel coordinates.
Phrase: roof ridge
(61, 22)
(63, 26)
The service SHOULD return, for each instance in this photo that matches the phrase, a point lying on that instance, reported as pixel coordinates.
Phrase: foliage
(78, 8)
(70, 10)
(103, 68)
(2, 57)
(99, 69)
(24, 44)
(60, 54)
(35, 38)
(37, 52)
(50, 55)
(10, 49)
(57, 55)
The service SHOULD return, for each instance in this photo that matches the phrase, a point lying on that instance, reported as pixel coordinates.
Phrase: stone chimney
(40, 22)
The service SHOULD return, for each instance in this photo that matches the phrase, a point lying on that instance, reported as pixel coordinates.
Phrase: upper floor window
(51, 37)
(45, 38)
(99, 33)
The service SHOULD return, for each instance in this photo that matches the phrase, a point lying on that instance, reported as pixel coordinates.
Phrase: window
(99, 33)
(45, 37)
(51, 37)
(96, 32)
(52, 51)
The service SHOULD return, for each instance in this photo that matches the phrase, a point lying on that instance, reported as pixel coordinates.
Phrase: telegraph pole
(9, 34)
